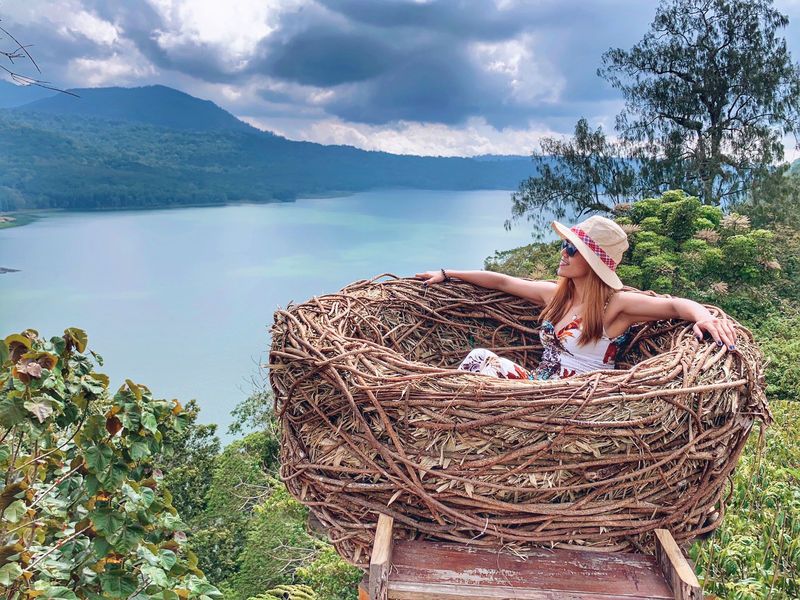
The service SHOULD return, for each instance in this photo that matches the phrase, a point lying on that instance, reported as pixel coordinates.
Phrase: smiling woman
(586, 316)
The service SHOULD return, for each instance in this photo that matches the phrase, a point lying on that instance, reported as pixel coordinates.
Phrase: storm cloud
(501, 71)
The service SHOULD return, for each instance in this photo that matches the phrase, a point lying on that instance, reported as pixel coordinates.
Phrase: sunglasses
(571, 250)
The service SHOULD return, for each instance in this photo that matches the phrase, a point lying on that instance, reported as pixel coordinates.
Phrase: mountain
(154, 104)
(59, 153)
(12, 95)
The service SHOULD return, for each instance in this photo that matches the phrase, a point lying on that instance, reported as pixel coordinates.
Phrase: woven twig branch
(375, 419)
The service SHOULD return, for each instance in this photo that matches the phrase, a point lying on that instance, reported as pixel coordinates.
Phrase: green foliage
(779, 335)
(679, 246)
(333, 578)
(187, 468)
(774, 200)
(255, 413)
(755, 553)
(287, 592)
(277, 542)
(537, 261)
(248, 533)
(85, 513)
(234, 485)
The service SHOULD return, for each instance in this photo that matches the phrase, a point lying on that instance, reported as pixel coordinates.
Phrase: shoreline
(24, 217)
(19, 218)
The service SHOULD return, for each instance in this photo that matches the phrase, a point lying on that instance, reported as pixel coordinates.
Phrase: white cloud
(235, 27)
(477, 137)
(530, 78)
(90, 26)
(118, 69)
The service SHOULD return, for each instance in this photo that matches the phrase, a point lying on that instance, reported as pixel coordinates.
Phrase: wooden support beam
(676, 569)
(363, 594)
(381, 562)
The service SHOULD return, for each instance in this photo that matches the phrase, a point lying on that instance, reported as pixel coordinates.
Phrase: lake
(181, 300)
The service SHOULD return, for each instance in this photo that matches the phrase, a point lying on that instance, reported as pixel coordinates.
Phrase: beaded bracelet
(445, 275)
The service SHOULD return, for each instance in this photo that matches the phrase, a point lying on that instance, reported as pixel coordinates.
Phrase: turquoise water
(181, 300)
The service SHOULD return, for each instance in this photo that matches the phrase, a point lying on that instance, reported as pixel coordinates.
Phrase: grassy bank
(16, 220)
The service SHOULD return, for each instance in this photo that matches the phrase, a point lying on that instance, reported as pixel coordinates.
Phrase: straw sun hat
(601, 242)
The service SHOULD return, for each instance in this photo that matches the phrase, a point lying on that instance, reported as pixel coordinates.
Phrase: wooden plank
(381, 561)
(676, 569)
(427, 570)
(453, 592)
(363, 588)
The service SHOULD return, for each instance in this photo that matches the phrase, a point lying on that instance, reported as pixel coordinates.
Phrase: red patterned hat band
(607, 260)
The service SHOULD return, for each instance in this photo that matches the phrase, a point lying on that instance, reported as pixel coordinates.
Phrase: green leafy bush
(287, 592)
(779, 336)
(84, 512)
(331, 576)
(678, 246)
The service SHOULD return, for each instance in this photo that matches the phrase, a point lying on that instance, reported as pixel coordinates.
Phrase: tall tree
(710, 90)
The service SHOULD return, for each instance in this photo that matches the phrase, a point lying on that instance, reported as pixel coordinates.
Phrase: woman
(585, 318)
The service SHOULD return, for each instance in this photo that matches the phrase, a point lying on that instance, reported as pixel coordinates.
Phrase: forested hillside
(197, 155)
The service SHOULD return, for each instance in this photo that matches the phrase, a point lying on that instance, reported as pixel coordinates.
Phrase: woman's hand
(430, 277)
(720, 329)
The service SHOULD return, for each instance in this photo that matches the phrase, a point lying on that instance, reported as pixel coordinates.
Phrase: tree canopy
(710, 90)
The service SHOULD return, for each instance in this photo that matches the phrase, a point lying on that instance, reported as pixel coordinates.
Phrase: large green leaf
(9, 573)
(139, 449)
(107, 521)
(149, 421)
(12, 412)
(117, 583)
(198, 588)
(113, 476)
(15, 511)
(132, 417)
(156, 576)
(168, 558)
(101, 546)
(126, 538)
(92, 484)
(58, 592)
(98, 457)
(41, 407)
(148, 496)
(5, 452)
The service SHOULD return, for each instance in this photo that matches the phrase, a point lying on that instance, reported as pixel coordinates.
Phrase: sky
(437, 77)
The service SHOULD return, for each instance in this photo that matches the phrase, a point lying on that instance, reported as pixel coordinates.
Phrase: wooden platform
(434, 570)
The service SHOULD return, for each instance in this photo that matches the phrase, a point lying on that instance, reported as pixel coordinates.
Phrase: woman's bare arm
(635, 308)
(538, 292)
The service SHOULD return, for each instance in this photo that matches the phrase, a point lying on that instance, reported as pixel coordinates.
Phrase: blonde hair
(596, 294)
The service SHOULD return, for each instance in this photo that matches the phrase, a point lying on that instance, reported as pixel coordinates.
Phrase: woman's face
(572, 266)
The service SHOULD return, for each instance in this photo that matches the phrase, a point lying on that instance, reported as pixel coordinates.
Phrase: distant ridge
(153, 104)
(12, 95)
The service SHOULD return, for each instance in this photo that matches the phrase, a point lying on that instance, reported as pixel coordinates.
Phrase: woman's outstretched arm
(538, 292)
(637, 307)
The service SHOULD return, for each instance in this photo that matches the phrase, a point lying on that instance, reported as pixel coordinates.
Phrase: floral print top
(563, 357)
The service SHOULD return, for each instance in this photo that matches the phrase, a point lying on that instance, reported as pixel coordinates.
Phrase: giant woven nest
(375, 419)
